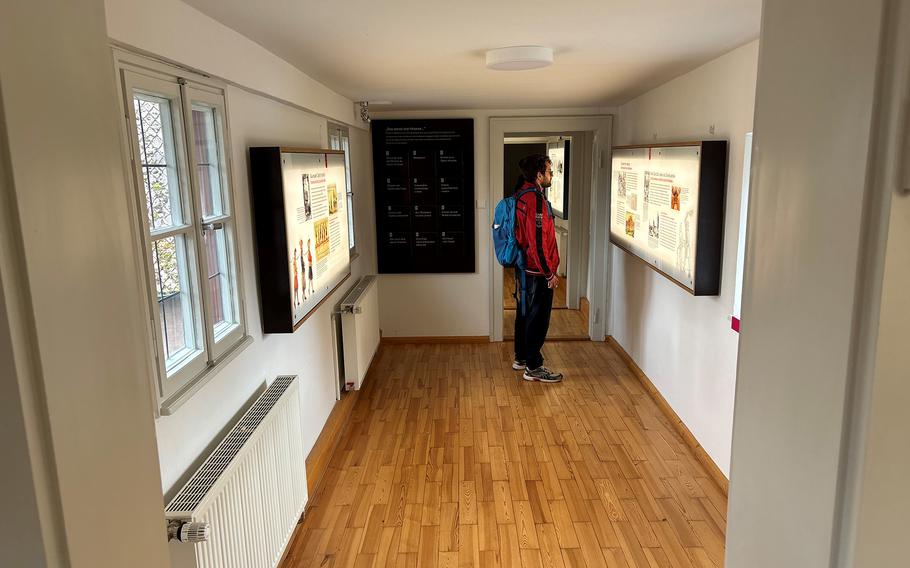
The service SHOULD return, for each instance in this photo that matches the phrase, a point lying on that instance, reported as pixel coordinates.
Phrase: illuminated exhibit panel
(302, 231)
(558, 152)
(667, 208)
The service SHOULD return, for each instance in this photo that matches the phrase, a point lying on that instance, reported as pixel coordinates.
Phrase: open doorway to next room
(569, 318)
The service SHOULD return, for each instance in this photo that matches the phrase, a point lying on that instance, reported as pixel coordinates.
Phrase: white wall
(416, 305)
(71, 297)
(21, 536)
(180, 33)
(878, 496)
(683, 343)
(813, 112)
(254, 119)
(884, 497)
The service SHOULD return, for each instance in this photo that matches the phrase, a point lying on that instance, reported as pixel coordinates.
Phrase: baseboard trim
(436, 339)
(700, 454)
(317, 461)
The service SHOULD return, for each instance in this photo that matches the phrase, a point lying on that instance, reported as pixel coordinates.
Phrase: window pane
(350, 221)
(208, 159)
(219, 281)
(157, 156)
(346, 146)
(175, 305)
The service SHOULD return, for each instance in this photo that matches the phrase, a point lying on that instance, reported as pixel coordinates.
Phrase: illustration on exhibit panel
(322, 238)
(683, 248)
(306, 289)
(309, 276)
(307, 208)
(653, 229)
(296, 280)
(332, 197)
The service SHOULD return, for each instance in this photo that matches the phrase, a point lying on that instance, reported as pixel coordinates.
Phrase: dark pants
(532, 322)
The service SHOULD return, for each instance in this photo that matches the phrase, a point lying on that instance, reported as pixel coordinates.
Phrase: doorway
(569, 318)
(591, 139)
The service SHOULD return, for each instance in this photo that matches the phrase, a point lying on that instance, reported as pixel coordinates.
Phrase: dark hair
(519, 183)
(532, 165)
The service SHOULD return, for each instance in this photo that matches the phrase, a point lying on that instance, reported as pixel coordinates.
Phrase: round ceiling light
(519, 58)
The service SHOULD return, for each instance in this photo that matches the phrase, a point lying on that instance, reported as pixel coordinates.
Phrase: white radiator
(360, 329)
(251, 489)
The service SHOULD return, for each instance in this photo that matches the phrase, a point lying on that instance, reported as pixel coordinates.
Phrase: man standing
(535, 232)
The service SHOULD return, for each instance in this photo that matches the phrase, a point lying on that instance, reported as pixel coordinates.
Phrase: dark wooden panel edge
(266, 188)
(711, 219)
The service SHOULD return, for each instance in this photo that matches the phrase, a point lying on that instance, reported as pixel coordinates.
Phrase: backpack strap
(521, 286)
(539, 235)
(524, 191)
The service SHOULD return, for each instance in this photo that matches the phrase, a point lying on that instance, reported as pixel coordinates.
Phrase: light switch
(480, 203)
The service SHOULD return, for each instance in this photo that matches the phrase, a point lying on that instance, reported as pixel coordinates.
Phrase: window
(177, 132)
(339, 139)
(741, 242)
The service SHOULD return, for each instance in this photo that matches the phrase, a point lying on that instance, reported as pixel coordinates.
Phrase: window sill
(170, 405)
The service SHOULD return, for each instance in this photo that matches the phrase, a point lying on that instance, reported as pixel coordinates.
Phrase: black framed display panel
(424, 189)
(667, 209)
(298, 203)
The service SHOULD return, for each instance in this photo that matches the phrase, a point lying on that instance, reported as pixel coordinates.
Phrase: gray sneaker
(519, 364)
(543, 375)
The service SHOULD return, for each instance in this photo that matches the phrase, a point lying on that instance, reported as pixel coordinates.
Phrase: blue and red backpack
(508, 253)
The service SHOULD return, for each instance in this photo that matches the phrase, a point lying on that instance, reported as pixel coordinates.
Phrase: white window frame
(343, 136)
(743, 221)
(183, 89)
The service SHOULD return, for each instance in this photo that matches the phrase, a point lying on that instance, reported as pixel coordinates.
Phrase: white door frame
(599, 259)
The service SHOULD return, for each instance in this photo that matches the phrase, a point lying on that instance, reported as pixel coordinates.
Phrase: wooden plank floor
(453, 460)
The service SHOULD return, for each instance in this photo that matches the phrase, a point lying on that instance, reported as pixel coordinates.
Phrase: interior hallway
(452, 460)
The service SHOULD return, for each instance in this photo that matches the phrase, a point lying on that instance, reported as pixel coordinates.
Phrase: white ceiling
(429, 54)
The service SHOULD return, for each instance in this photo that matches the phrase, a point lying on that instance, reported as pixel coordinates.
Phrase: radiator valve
(187, 531)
